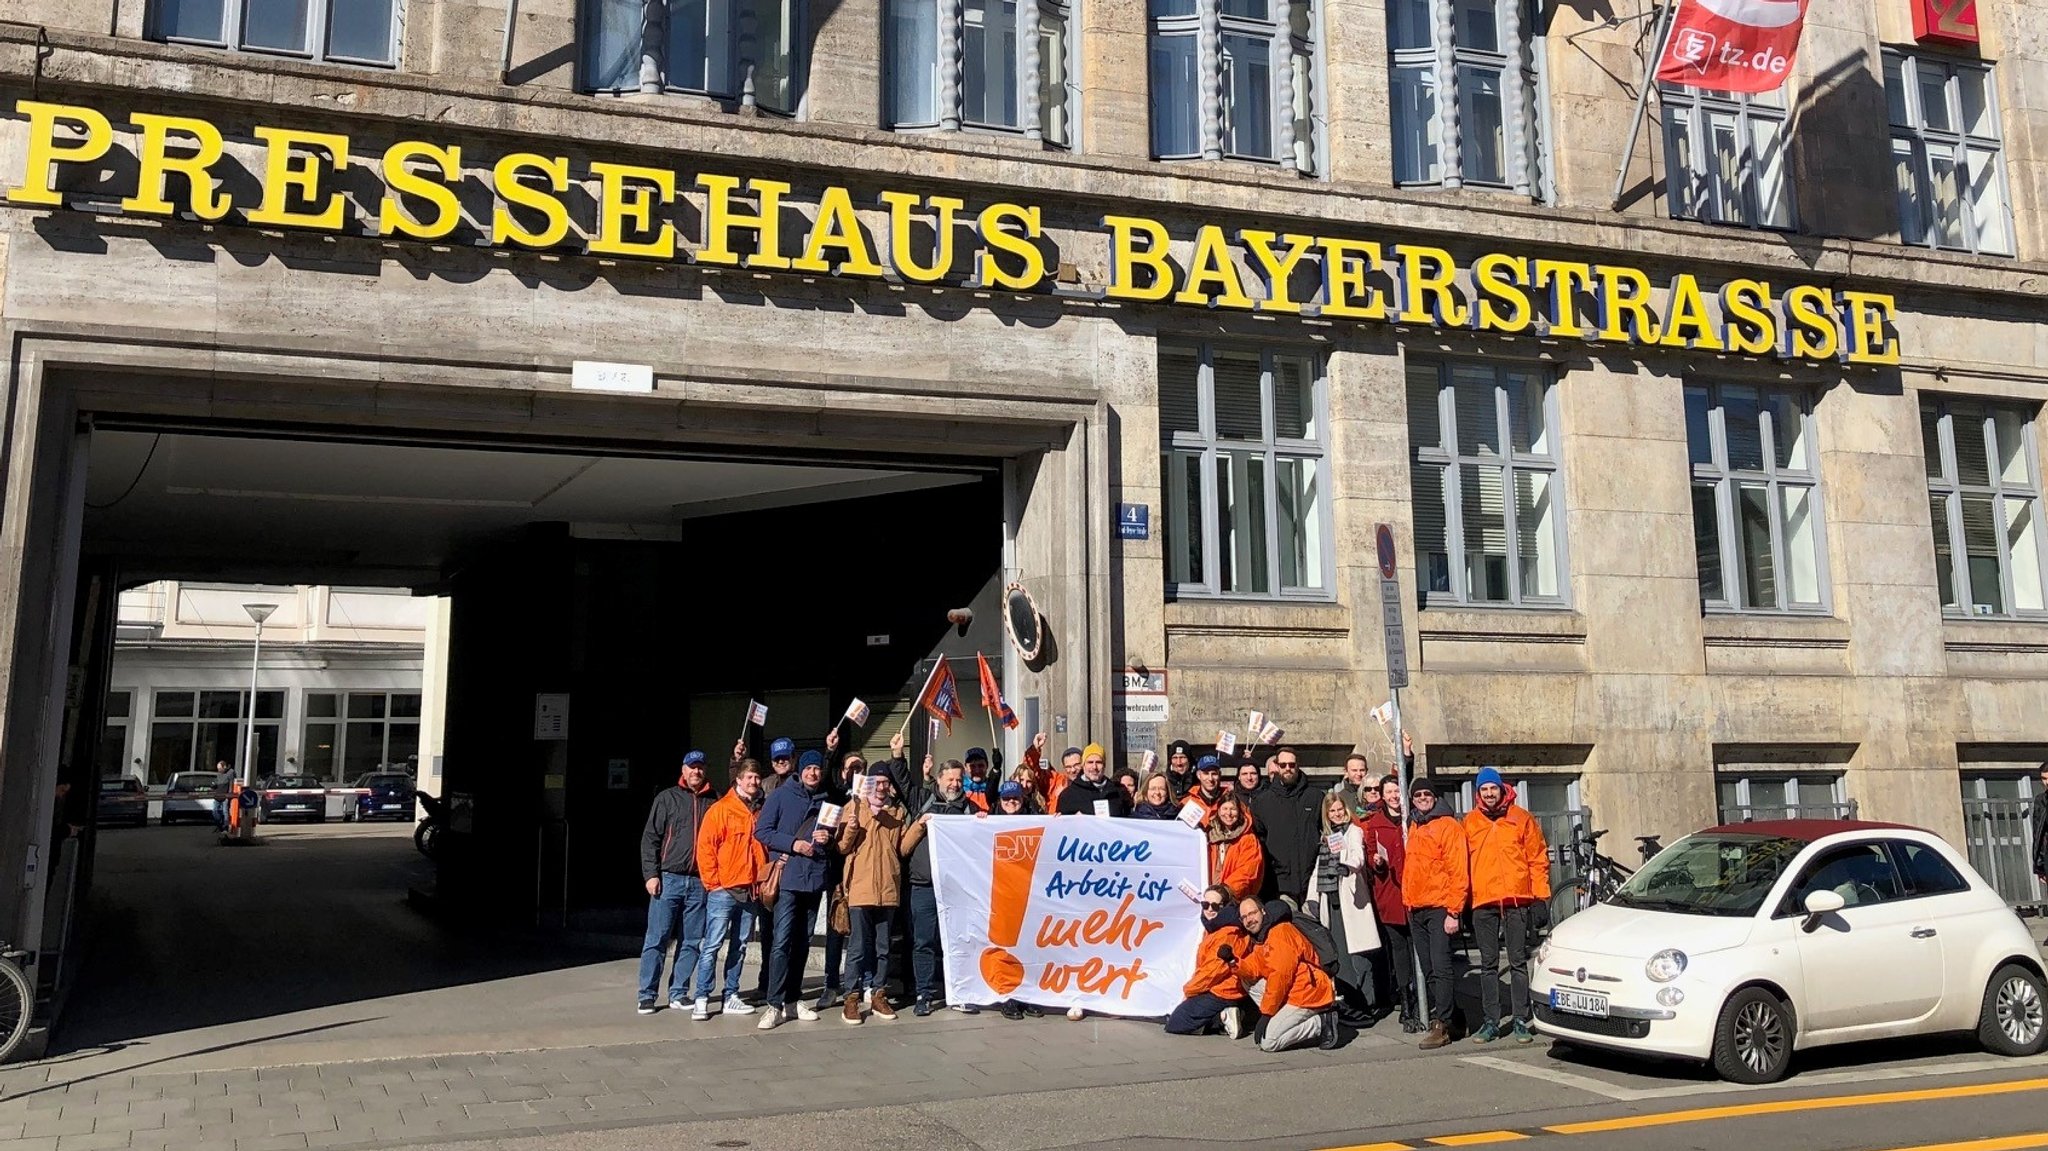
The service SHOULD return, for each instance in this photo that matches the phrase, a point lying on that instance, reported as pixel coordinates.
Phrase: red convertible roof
(1808, 830)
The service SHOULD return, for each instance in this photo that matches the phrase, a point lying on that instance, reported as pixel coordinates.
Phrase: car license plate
(295, 807)
(1578, 1002)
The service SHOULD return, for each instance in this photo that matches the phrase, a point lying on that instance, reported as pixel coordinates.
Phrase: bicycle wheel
(17, 1005)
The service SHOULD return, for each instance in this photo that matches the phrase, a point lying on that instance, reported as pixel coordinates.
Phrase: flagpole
(1635, 126)
(916, 700)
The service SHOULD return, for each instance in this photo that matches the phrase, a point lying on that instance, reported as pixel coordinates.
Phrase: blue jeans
(678, 914)
(796, 914)
(867, 952)
(1199, 1014)
(728, 921)
(924, 940)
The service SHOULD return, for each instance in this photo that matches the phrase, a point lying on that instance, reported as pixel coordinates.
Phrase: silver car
(192, 795)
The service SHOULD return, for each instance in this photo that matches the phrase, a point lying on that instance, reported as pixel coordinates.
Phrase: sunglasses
(1208, 906)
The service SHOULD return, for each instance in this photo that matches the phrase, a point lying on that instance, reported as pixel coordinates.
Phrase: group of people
(1321, 905)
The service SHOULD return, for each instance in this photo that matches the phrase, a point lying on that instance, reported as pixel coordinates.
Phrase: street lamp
(258, 612)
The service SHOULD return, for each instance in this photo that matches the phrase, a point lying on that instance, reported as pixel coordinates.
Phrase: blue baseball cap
(782, 749)
(812, 758)
(1208, 763)
(1488, 775)
(694, 759)
(974, 753)
(1011, 790)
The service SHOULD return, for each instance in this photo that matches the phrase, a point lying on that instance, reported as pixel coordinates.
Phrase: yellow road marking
(1373, 1147)
(2005, 1143)
(1785, 1106)
(1478, 1137)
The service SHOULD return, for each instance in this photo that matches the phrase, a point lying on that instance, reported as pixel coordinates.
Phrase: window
(1946, 154)
(1983, 489)
(344, 31)
(193, 730)
(1861, 873)
(1253, 63)
(743, 51)
(995, 85)
(349, 734)
(1245, 474)
(110, 759)
(1755, 500)
(1489, 514)
(1748, 798)
(1727, 156)
(1924, 870)
(1490, 134)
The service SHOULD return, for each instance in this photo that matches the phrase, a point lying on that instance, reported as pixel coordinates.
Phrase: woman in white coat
(1344, 899)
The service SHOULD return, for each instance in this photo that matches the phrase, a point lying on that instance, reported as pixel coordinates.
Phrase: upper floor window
(1245, 472)
(1488, 135)
(998, 65)
(1946, 154)
(343, 31)
(1727, 156)
(1984, 499)
(1235, 79)
(1755, 499)
(743, 51)
(1489, 506)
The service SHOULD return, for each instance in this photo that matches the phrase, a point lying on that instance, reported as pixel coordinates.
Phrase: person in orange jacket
(1510, 879)
(1236, 858)
(1284, 976)
(1436, 881)
(1214, 993)
(731, 861)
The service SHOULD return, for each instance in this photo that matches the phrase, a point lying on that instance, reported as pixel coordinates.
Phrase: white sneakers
(701, 1011)
(734, 1005)
(1233, 1021)
(676, 1005)
(771, 1018)
(1076, 1014)
(806, 1013)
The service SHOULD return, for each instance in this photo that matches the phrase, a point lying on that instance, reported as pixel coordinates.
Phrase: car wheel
(2011, 1022)
(1753, 1039)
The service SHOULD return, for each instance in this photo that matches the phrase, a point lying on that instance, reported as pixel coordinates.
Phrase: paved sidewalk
(725, 1069)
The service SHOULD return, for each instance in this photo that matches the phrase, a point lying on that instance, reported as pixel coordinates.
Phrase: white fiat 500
(1742, 944)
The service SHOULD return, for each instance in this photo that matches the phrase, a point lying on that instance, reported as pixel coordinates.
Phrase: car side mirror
(1821, 903)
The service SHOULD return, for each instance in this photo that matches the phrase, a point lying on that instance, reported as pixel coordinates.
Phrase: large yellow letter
(1624, 314)
(1213, 264)
(1565, 279)
(288, 177)
(506, 228)
(1499, 279)
(1277, 269)
(1125, 258)
(392, 220)
(901, 259)
(1428, 296)
(154, 162)
(720, 220)
(44, 150)
(1749, 325)
(995, 237)
(1346, 264)
(837, 228)
(1686, 323)
(618, 203)
(1869, 315)
(1810, 331)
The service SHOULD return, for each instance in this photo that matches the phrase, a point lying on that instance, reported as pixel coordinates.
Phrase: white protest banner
(1067, 912)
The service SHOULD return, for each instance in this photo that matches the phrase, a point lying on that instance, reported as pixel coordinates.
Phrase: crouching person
(1285, 978)
(1215, 998)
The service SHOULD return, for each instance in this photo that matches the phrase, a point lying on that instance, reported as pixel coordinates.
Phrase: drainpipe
(505, 53)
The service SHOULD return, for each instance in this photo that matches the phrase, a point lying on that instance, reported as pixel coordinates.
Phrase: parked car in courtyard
(381, 795)
(192, 796)
(1743, 944)
(294, 797)
(123, 802)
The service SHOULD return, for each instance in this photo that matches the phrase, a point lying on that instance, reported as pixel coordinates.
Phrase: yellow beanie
(1093, 751)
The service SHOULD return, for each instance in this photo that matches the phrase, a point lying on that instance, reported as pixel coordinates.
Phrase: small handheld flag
(856, 713)
(757, 713)
(1225, 743)
(1270, 733)
(1255, 723)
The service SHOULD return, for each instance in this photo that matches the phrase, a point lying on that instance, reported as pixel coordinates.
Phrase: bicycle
(17, 1001)
(427, 836)
(1599, 876)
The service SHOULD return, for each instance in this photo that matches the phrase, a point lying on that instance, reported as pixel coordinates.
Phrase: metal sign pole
(1394, 641)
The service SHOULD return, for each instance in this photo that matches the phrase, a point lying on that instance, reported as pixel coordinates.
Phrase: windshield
(112, 786)
(1727, 874)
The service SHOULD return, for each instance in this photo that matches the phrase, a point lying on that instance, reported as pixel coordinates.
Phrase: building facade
(1721, 497)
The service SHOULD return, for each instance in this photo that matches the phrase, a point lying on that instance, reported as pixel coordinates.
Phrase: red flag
(992, 695)
(1732, 45)
(941, 695)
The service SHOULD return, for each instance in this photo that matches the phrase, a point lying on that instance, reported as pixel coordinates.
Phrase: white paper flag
(1151, 762)
(1384, 713)
(757, 713)
(1225, 743)
(1191, 813)
(1271, 733)
(1102, 808)
(1255, 723)
(828, 815)
(857, 713)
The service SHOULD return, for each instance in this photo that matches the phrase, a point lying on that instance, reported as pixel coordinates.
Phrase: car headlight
(1542, 952)
(1666, 965)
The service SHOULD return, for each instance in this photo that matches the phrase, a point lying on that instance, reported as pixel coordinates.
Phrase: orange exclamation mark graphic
(1016, 858)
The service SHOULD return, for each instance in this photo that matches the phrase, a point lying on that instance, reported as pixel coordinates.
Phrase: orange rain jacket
(1510, 861)
(1438, 871)
(728, 855)
(1294, 975)
(1211, 973)
(1239, 862)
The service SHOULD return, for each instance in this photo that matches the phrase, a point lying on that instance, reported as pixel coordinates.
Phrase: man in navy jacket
(788, 828)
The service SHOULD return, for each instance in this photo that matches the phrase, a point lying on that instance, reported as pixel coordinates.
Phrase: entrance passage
(607, 612)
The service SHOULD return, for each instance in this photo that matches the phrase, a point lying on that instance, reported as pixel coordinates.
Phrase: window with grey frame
(1244, 472)
(1947, 156)
(1756, 514)
(1488, 52)
(1489, 503)
(1727, 156)
(1752, 797)
(1984, 489)
(1235, 79)
(744, 52)
(336, 31)
(989, 65)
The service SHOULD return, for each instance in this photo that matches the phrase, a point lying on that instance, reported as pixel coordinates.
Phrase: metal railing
(1999, 835)
(1759, 812)
(1557, 836)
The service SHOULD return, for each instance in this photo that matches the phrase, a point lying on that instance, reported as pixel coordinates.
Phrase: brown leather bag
(767, 886)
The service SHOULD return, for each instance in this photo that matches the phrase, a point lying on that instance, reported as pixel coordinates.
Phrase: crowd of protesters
(1322, 909)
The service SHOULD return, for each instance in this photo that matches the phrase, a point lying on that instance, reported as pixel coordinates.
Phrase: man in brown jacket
(871, 839)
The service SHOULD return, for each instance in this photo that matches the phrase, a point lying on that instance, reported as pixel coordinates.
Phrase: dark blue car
(381, 795)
